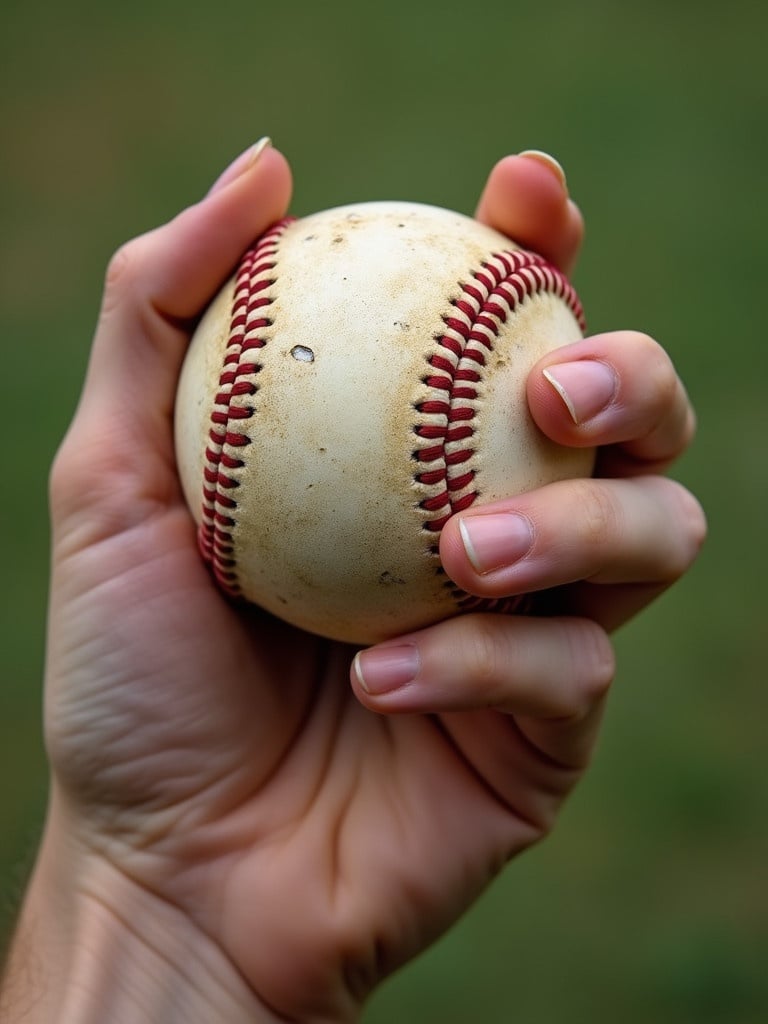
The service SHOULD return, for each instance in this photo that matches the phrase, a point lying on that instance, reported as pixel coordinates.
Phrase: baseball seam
(232, 404)
(447, 414)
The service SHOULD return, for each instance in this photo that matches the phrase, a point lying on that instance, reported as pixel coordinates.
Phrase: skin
(238, 829)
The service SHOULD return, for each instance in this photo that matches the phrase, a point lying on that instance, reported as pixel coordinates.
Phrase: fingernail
(495, 540)
(586, 387)
(256, 151)
(241, 164)
(383, 669)
(549, 161)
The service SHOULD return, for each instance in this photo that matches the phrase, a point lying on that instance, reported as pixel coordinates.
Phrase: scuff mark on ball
(303, 354)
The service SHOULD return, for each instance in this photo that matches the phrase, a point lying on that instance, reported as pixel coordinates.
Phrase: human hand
(234, 832)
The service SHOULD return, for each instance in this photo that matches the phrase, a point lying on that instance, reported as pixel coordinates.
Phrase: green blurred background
(650, 902)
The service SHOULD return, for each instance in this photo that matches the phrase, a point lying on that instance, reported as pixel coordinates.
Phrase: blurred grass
(650, 902)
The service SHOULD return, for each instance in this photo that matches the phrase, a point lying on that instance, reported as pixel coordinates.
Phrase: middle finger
(637, 530)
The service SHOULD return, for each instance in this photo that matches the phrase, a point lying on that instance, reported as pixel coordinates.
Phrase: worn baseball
(359, 380)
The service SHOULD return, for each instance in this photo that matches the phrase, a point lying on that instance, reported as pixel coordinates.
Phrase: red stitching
(503, 282)
(232, 405)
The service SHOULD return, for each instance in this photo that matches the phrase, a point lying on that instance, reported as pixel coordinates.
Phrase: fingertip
(265, 173)
(613, 389)
(240, 164)
(593, 650)
(550, 162)
(260, 153)
(526, 198)
(184, 263)
(556, 669)
(159, 283)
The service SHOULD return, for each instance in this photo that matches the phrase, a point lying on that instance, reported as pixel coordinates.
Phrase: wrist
(92, 945)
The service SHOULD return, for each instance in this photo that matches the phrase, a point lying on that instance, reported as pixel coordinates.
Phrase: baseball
(360, 380)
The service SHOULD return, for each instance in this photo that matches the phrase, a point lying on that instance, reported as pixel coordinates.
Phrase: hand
(234, 832)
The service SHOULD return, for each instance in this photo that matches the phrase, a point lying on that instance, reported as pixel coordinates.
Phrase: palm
(255, 772)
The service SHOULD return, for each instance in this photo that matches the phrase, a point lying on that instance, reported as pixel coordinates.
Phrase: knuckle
(68, 478)
(58, 477)
(681, 529)
(120, 274)
(118, 266)
(666, 410)
(597, 658)
(659, 374)
(669, 409)
(82, 477)
(483, 657)
(690, 426)
(659, 377)
(697, 522)
(646, 346)
(693, 531)
(598, 514)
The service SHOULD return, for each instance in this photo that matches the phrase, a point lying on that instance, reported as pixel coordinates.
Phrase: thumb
(118, 454)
